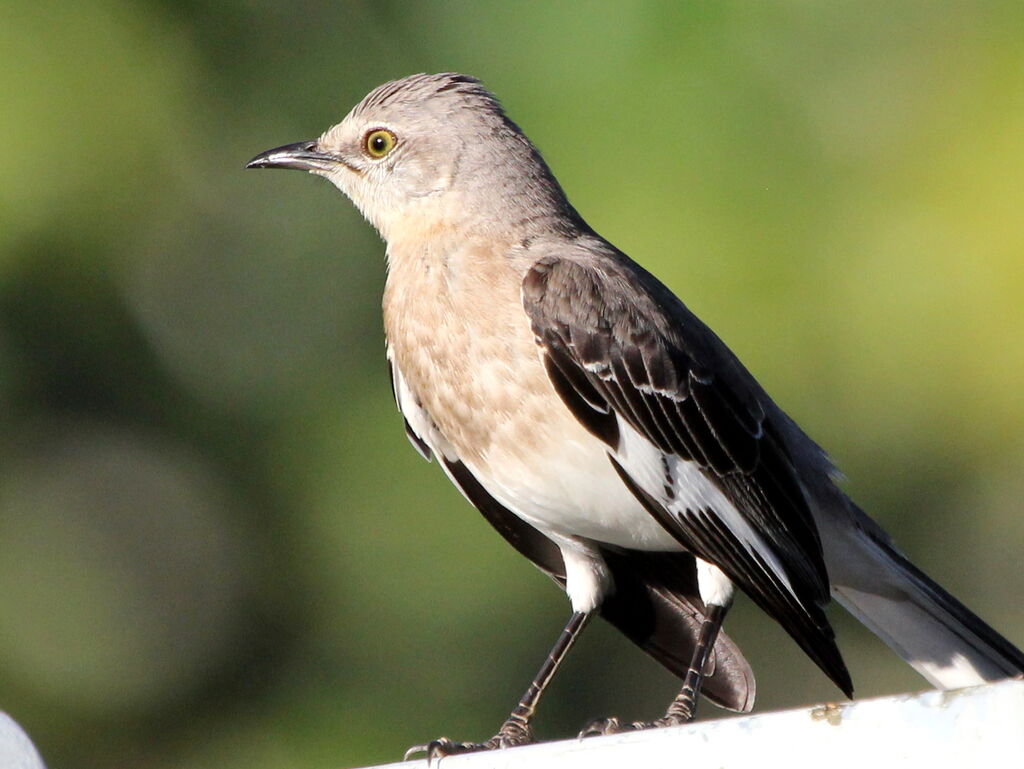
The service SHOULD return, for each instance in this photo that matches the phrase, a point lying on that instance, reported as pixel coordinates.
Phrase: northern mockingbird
(600, 427)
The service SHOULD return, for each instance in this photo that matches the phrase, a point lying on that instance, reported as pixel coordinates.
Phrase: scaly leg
(516, 729)
(684, 706)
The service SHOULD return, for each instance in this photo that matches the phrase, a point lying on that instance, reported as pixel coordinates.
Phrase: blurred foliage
(216, 548)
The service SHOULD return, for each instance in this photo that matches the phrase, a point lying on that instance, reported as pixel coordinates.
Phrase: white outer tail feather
(919, 638)
(932, 631)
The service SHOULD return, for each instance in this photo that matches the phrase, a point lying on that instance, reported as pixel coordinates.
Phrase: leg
(684, 706)
(516, 729)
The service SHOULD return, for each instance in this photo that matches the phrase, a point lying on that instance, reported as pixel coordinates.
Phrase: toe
(442, 747)
(600, 726)
(435, 749)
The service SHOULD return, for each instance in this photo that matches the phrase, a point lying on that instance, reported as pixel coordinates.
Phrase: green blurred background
(216, 548)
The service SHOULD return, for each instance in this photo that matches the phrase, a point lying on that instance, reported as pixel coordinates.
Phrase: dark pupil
(379, 143)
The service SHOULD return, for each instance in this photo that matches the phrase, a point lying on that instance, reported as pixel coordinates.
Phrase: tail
(936, 634)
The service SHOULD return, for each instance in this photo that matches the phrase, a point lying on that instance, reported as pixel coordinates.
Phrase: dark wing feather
(623, 344)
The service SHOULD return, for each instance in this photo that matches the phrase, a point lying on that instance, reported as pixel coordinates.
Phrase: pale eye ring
(379, 142)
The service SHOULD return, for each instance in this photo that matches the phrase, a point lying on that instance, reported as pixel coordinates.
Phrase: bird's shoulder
(594, 290)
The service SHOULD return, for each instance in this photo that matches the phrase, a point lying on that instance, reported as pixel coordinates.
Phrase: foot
(511, 734)
(602, 726)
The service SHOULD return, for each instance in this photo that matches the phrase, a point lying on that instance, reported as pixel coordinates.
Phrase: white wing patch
(683, 489)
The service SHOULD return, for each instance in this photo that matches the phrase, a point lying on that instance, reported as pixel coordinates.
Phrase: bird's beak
(304, 156)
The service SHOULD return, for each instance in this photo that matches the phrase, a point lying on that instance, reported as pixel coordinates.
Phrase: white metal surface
(981, 726)
(16, 749)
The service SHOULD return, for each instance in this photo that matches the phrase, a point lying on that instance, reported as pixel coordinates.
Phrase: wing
(688, 430)
(656, 600)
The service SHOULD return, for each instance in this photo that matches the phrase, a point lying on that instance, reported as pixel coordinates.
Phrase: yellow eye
(379, 142)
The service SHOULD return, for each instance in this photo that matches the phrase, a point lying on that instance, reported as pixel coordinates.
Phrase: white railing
(981, 727)
(16, 749)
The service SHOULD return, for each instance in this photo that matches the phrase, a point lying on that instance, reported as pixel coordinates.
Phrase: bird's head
(430, 149)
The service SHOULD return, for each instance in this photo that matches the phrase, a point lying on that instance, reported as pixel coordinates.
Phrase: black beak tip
(288, 156)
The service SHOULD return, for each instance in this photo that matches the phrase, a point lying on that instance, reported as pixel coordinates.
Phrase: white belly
(569, 488)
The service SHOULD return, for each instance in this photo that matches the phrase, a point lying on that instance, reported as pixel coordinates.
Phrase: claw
(511, 734)
(441, 747)
(414, 750)
(437, 749)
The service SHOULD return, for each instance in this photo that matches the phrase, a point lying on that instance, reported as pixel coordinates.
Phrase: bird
(601, 428)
